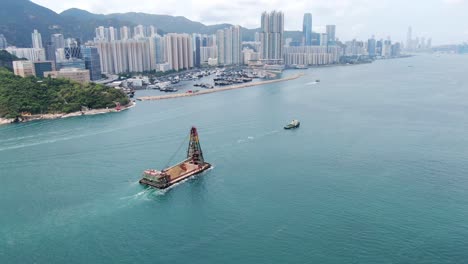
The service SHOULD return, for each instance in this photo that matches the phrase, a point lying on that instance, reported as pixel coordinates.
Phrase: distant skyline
(443, 20)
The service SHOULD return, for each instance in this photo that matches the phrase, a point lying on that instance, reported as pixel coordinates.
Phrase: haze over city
(443, 20)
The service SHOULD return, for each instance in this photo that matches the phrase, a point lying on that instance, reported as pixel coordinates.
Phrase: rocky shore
(4, 121)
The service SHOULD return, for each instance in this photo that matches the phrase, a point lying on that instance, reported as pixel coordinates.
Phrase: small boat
(193, 165)
(294, 124)
(317, 80)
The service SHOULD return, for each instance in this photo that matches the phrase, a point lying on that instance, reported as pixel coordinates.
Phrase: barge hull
(178, 179)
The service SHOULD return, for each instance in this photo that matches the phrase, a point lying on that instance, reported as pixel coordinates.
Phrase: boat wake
(311, 83)
(144, 195)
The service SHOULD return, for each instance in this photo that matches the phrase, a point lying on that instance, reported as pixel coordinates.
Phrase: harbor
(227, 88)
(372, 162)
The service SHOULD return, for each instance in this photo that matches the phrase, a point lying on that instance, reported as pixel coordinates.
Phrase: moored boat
(293, 124)
(193, 165)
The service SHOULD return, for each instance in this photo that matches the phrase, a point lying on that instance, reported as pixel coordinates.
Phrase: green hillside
(6, 60)
(31, 95)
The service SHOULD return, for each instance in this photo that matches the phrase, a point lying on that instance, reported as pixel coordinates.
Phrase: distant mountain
(18, 18)
(165, 23)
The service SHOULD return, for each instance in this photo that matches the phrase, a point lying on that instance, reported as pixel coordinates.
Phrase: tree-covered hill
(6, 59)
(30, 95)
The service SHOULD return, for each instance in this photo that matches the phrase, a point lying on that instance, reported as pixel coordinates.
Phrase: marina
(232, 87)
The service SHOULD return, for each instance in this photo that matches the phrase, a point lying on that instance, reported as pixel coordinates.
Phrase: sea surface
(377, 173)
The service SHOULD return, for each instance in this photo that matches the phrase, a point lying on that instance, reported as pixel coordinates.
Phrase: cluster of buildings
(58, 58)
(143, 49)
(417, 44)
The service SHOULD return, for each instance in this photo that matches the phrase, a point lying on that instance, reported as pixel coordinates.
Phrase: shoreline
(239, 86)
(5, 121)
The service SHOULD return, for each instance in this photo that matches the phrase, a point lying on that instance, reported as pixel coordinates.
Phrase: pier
(239, 86)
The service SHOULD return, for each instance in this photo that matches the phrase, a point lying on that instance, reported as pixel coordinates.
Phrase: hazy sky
(444, 20)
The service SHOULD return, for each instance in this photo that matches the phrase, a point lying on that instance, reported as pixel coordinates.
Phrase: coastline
(5, 121)
(244, 85)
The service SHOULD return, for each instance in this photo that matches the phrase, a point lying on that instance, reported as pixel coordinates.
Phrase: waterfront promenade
(239, 86)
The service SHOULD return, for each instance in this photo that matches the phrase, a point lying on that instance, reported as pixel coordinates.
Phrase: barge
(191, 166)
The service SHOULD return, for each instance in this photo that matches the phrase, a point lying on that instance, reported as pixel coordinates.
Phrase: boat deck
(180, 169)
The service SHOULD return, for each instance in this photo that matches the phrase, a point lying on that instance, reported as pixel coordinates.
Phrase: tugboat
(294, 124)
(193, 165)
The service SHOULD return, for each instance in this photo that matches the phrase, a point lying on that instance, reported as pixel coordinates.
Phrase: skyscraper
(36, 40)
(197, 51)
(156, 51)
(409, 39)
(331, 34)
(371, 46)
(50, 52)
(3, 42)
(58, 41)
(72, 49)
(271, 35)
(92, 62)
(307, 29)
(220, 45)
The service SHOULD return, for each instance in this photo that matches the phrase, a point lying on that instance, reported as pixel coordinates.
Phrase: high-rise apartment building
(36, 40)
(28, 53)
(139, 31)
(307, 29)
(271, 37)
(179, 51)
(152, 31)
(229, 46)
(113, 34)
(131, 55)
(125, 33)
(311, 55)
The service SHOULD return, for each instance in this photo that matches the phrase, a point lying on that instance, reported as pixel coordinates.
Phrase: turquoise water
(377, 173)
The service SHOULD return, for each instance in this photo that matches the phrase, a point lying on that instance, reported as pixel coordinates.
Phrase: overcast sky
(446, 21)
